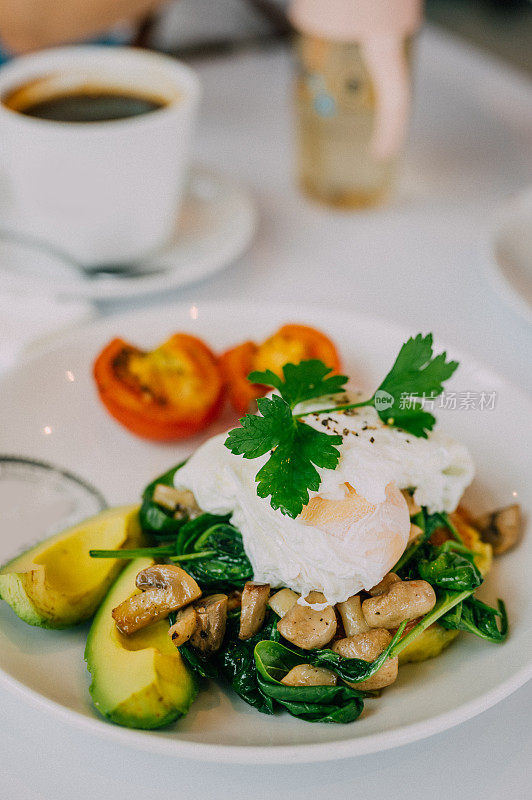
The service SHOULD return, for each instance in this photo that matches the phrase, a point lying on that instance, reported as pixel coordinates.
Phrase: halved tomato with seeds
(291, 343)
(169, 393)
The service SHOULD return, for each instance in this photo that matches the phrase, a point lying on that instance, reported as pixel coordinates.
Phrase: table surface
(500, 27)
(421, 262)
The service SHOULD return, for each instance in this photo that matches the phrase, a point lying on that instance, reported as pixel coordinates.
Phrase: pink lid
(355, 20)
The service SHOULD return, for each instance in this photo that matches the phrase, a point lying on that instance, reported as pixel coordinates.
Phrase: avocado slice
(140, 680)
(57, 584)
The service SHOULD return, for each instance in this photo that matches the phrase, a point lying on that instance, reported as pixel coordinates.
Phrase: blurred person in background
(27, 25)
(184, 27)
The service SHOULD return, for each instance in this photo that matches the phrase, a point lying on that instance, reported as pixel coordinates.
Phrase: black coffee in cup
(94, 149)
(83, 104)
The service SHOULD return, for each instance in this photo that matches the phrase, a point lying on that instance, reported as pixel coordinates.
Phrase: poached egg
(355, 528)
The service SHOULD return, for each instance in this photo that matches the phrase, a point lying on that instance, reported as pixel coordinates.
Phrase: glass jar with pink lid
(353, 93)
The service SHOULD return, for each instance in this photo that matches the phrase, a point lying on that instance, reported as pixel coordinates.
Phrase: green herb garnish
(296, 449)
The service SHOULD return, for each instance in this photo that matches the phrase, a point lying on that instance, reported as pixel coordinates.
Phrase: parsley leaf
(297, 449)
(304, 381)
(411, 418)
(415, 373)
(261, 432)
(291, 472)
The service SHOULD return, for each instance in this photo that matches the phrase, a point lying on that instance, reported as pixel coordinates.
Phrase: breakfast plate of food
(314, 543)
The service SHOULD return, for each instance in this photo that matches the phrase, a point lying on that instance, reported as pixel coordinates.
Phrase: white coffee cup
(100, 192)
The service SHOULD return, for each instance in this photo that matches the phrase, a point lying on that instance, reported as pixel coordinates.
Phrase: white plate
(56, 419)
(511, 258)
(216, 224)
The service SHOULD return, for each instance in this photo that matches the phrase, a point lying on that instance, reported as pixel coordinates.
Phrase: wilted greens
(429, 524)
(312, 703)
(154, 519)
(211, 548)
(212, 551)
(339, 703)
(235, 662)
(223, 563)
(450, 568)
(476, 617)
(447, 566)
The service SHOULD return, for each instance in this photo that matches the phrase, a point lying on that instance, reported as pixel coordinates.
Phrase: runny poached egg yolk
(346, 517)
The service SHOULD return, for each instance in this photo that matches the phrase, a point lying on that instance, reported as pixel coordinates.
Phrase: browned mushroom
(282, 601)
(254, 604)
(211, 614)
(502, 528)
(164, 588)
(385, 584)
(415, 531)
(413, 507)
(166, 496)
(307, 675)
(353, 619)
(367, 646)
(234, 600)
(307, 628)
(403, 600)
(184, 626)
(181, 502)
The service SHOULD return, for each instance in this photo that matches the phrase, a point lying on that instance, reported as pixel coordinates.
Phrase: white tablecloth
(26, 322)
(421, 262)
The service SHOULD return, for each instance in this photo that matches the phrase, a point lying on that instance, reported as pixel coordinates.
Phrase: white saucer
(215, 226)
(511, 246)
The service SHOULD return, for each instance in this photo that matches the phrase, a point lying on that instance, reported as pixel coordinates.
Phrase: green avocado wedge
(57, 584)
(139, 681)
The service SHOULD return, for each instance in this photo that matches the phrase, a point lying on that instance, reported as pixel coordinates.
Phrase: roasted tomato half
(170, 393)
(291, 343)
